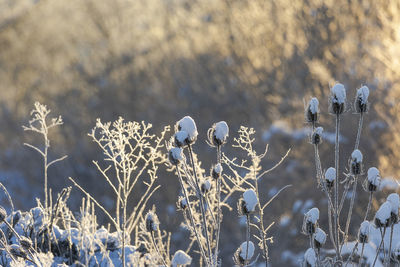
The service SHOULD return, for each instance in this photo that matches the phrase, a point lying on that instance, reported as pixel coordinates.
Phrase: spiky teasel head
(361, 100)
(151, 221)
(310, 221)
(182, 203)
(16, 251)
(310, 258)
(383, 215)
(373, 179)
(175, 155)
(363, 233)
(218, 134)
(330, 176)
(356, 162)
(3, 214)
(316, 137)
(216, 171)
(312, 111)
(187, 124)
(319, 238)
(181, 139)
(248, 203)
(205, 187)
(25, 243)
(394, 201)
(337, 99)
(240, 254)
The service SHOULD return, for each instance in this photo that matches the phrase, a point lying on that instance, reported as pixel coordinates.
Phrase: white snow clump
(312, 215)
(181, 258)
(250, 251)
(250, 199)
(338, 93)
(330, 174)
(188, 125)
(357, 156)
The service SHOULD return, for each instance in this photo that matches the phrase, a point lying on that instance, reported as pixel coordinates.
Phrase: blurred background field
(251, 63)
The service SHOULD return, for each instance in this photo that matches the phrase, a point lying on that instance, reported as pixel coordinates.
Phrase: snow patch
(314, 105)
(312, 215)
(188, 125)
(181, 258)
(373, 176)
(383, 213)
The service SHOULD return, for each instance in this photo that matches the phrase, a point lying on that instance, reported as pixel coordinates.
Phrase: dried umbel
(25, 242)
(3, 214)
(240, 254)
(188, 125)
(337, 100)
(175, 155)
(216, 171)
(361, 100)
(316, 137)
(310, 221)
(151, 222)
(330, 176)
(373, 179)
(218, 133)
(312, 111)
(356, 162)
(319, 238)
(363, 233)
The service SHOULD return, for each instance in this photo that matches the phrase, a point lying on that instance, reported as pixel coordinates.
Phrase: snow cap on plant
(310, 221)
(218, 133)
(216, 171)
(151, 221)
(319, 238)
(310, 259)
(181, 138)
(181, 259)
(205, 186)
(330, 176)
(382, 216)
(175, 155)
(250, 200)
(361, 100)
(373, 179)
(312, 110)
(182, 203)
(337, 100)
(188, 125)
(363, 233)
(240, 254)
(316, 137)
(356, 162)
(394, 201)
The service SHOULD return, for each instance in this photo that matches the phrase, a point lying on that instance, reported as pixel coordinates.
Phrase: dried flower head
(373, 179)
(216, 171)
(205, 187)
(181, 259)
(240, 254)
(337, 100)
(181, 138)
(310, 221)
(382, 216)
(316, 137)
(394, 201)
(310, 258)
(319, 238)
(312, 110)
(218, 134)
(363, 233)
(175, 155)
(330, 176)
(151, 221)
(188, 125)
(356, 162)
(182, 203)
(361, 100)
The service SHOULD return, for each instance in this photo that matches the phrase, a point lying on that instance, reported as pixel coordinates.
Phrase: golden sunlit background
(251, 63)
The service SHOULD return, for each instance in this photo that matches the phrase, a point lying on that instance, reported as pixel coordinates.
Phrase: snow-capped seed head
(310, 221)
(249, 249)
(394, 201)
(310, 259)
(25, 242)
(250, 200)
(16, 251)
(361, 100)
(337, 101)
(319, 238)
(218, 133)
(175, 155)
(374, 179)
(356, 162)
(382, 216)
(188, 125)
(363, 233)
(316, 137)
(330, 176)
(181, 138)
(205, 186)
(151, 221)
(216, 172)
(312, 110)
(3, 214)
(181, 259)
(182, 203)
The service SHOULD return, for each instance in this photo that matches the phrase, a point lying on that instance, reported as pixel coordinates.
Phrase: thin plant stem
(361, 255)
(218, 185)
(201, 202)
(380, 245)
(360, 123)
(336, 191)
(390, 243)
(369, 205)
(350, 208)
(157, 249)
(247, 238)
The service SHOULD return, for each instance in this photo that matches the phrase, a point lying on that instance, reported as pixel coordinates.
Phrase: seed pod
(240, 254)
(330, 176)
(182, 203)
(310, 221)
(151, 221)
(361, 100)
(242, 209)
(337, 100)
(25, 242)
(205, 187)
(310, 258)
(394, 201)
(382, 216)
(373, 179)
(319, 238)
(188, 125)
(363, 233)
(312, 110)
(216, 172)
(218, 133)
(181, 138)
(356, 162)
(175, 155)
(316, 137)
